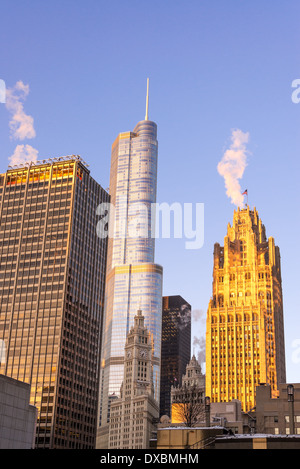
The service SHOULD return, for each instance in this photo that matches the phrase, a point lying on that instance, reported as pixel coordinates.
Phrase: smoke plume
(233, 164)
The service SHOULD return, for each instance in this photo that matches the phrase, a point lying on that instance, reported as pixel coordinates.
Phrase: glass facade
(134, 281)
(133, 189)
(175, 347)
(52, 277)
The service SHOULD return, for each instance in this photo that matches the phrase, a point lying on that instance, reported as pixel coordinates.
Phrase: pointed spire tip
(147, 101)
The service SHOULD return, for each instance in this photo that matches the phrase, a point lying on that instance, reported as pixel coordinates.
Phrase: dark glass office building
(52, 278)
(175, 347)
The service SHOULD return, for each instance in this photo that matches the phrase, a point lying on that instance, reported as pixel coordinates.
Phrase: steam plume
(198, 316)
(233, 164)
(199, 343)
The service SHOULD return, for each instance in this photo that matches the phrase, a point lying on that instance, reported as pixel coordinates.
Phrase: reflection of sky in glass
(134, 183)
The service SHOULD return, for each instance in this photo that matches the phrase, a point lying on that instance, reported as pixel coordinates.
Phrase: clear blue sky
(214, 65)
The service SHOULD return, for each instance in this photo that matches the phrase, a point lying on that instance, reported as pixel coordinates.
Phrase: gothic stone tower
(133, 414)
(245, 330)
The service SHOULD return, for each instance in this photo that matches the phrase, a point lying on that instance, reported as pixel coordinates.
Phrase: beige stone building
(245, 330)
(280, 416)
(192, 392)
(132, 416)
(228, 415)
(187, 438)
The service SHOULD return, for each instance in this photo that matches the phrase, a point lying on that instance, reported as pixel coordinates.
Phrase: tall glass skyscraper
(52, 278)
(134, 281)
(175, 347)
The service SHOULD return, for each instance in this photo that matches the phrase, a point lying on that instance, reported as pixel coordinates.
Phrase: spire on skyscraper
(147, 100)
(132, 273)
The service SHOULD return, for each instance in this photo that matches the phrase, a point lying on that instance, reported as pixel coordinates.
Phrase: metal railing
(202, 444)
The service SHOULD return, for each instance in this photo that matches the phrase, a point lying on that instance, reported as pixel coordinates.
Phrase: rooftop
(49, 161)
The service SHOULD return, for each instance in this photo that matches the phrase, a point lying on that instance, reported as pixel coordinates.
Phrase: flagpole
(246, 193)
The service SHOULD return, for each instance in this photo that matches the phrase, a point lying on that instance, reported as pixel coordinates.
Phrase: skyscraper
(133, 280)
(175, 347)
(52, 278)
(132, 416)
(245, 330)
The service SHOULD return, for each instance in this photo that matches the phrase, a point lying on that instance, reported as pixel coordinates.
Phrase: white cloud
(233, 164)
(23, 154)
(21, 124)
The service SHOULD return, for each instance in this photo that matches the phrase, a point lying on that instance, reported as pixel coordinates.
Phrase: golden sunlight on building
(245, 330)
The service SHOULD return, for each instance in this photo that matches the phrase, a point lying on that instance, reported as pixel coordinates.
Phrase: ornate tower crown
(245, 330)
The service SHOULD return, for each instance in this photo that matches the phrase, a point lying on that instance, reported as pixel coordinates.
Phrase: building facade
(133, 415)
(133, 280)
(17, 416)
(188, 400)
(228, 415)
(175, 347)
(52, 282)
(281, 415)
(245, 330)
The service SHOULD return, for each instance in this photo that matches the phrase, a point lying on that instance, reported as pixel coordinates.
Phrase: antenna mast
(147, 100)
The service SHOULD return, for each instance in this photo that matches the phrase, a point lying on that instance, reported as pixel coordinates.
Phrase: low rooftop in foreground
(257, 441)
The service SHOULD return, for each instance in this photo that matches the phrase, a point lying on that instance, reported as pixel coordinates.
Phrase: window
(232, 301)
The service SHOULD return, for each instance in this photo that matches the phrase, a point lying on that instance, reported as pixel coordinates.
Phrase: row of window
(237, 318)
